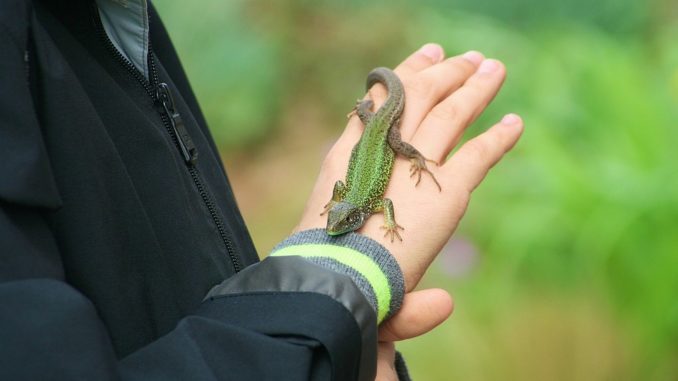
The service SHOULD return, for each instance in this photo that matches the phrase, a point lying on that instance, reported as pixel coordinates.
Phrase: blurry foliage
(232, 69)
(577, 277)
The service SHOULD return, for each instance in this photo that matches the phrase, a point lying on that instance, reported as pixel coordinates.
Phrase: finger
(469, 165)
(427, 88)
(426, 56)
(386, 362)
(421, 311)
(445, 124)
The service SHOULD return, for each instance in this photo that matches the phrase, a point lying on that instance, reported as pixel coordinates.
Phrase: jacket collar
(126, 24)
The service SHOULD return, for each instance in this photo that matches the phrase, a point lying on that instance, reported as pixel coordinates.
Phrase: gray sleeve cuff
(371, 267)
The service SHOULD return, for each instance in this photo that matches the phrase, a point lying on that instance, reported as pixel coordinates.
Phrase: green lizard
(371, 162)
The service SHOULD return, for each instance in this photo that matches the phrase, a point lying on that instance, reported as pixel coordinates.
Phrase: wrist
(371, 266)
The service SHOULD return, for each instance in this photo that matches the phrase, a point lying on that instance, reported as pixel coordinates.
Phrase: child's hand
(443, 97)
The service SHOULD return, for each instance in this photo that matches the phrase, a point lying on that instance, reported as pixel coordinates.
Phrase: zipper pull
(186, 145)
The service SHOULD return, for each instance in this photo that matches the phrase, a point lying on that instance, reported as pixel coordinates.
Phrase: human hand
(443, 97)
(421, 311)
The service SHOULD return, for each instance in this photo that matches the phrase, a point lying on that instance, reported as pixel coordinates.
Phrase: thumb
(421, 311)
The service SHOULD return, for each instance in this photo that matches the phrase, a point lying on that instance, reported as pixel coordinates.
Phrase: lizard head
(344, 217)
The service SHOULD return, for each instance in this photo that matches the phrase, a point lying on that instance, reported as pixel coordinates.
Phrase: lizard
(371, 162)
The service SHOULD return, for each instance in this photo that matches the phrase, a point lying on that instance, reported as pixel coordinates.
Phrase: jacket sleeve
(316, 326)
(285, 318)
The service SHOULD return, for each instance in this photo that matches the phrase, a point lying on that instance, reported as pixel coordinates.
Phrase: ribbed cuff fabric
(372, 268)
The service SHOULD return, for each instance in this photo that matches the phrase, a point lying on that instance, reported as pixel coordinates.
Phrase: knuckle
(420, 60)
(392, 330)
(478, 150)
(447, 113)
(462, 65)
(486, 148)
(419, 87)
(464, 199)
(461, 190)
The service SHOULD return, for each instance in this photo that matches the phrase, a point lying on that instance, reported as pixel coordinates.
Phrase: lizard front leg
(337, 195)
(416, 158)
(390, 225)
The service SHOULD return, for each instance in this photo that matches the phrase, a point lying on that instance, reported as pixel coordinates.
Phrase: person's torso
(143, 232)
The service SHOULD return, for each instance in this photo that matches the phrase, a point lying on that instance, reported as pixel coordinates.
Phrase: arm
(282, 316)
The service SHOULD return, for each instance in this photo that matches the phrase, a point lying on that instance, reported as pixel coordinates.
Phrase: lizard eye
(353, 218)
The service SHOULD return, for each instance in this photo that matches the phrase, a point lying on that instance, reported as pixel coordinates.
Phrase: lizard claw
(419, 165)
(392, 231)
(327, 208)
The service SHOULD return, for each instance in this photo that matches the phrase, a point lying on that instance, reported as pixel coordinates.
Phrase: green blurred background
(566, 265)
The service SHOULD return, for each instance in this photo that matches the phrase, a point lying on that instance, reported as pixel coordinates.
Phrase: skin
(371, 163)
(444, 96)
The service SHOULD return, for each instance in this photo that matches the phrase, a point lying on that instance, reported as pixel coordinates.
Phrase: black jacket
(111, 236)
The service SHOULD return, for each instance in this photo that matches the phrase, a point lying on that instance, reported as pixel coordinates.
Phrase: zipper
(186, 146)
(161, 95)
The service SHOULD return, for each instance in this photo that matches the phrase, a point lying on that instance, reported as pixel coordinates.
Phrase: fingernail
(475, 57)
(510, 119)
(432, 51)
(488, 66)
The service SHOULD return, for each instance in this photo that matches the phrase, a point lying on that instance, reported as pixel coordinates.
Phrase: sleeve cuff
(371, 267)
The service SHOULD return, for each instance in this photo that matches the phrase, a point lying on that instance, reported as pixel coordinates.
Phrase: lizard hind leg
(416, 158)
(418, 166)
(337, 195)
(390, 224)
(363, 109)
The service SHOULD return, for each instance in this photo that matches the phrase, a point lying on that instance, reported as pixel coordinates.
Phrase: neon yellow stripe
(351, 258)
